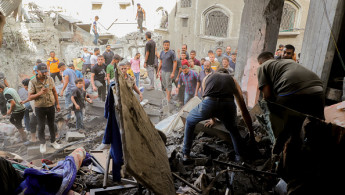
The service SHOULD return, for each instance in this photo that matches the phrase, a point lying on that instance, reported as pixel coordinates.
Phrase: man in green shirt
(16, 110)
(110, 68)
(192, 66)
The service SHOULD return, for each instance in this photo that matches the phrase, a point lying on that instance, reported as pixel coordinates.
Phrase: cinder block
(74, 136)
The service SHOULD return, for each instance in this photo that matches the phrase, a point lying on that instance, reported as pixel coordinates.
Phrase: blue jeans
(95, 41)
(224, 111)
(68, 103)
(79, 117)
(137, 78)
(27, 116)
(187, 97)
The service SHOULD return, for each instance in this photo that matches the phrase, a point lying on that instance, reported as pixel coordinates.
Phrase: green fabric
(111, 71)
(19, 167)
(18, 107)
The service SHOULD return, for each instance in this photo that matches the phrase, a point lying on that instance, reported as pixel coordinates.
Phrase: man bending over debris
(16, 109)
(219, 102)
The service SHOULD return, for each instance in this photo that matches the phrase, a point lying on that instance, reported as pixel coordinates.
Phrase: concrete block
(74, 136)
(33, 150)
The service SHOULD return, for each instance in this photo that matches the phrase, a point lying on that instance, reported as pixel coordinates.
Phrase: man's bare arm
(65, 83)
(197, 88)
(266, 90)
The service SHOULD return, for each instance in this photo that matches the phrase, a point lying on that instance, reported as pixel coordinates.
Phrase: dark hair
(290, 47)
(148, 34)
(299, 55)
(78, 80)
(137, 53)
(210, 51)
(183, 53)
(185, 45)
(107, 45)
(193, 51)
(96, 49)
(128, 63)
(61, 64)
(219, 48)
(281, 45)
(166, 41)
(52, 52)
(266, 55)
(203, 59)
(2, 86)
(25, 82)
(223, 70)
(100, 56)
(226, 58)
(278, 49)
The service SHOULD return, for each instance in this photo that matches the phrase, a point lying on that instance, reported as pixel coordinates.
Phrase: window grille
(216, 24)
(287, 23)
(186, 3)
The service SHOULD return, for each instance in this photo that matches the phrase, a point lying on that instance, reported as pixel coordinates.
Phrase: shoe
(43, 148)
(239, 158)
(56, 145)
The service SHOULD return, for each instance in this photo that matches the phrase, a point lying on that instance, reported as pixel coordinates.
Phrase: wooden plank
(144, 152)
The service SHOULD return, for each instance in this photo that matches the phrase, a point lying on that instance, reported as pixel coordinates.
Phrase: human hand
(209, 123)
(94, 88)
(61, 93)
(176, 80)
(90, 101)
(145, 65)
(8, 112)
(141, 97)
(172, 75)
(43, 91)
(77, 107)
(22, 102)
(58, 108)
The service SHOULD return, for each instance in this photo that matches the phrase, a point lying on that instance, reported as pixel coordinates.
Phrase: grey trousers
(151, 73)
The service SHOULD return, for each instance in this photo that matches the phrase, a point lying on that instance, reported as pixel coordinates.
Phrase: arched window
(186, 3)
(216, 24)
(288, 18)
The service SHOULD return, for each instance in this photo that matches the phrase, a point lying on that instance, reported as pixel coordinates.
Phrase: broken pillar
(259, 32)
(318, 48)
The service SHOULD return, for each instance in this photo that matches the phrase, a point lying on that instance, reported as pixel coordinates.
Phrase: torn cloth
(112, 135)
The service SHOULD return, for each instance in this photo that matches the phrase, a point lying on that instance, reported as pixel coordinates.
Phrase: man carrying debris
(52, 64)
(108, 55)
(42, 90)
(95, 30)
(16, 110)
(168, 66)
(69, 76)
(292, 85)
(150, 54)
(99, 77)
(189, 80)
(130, 80)
(221, 90)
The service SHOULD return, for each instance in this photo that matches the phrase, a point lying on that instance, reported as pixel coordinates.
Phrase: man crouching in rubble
(220, 92)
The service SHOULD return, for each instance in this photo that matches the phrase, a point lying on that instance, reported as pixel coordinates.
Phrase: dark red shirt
(197, 62)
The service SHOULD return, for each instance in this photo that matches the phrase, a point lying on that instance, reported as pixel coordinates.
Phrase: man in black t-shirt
(99, 77)
(220, 92)
(150, 54)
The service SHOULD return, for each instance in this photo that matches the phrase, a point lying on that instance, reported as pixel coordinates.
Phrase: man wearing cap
(99, 77)
(189, 79)
(42, 90)
(130, 80)
(110, 67)
(3, 81)
(52, 64)
(68, 84)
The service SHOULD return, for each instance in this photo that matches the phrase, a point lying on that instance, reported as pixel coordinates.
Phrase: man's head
(166, 45)
(223, 70)
(96, 51)
(100, 60)
(191, 62)
(128, 65)
(233, 57)
(183, 55)
(38, 61)
(207, 66)
(62, 66)
(219, 51)
(289, 51)
(281, 47)
(108, 48)
(184, 47)
(25, 83)
(123, 68)
(209, 53)
(96, 18)
(42, 71)
(192, 54)
(117, 58)
(85, 49)
(185, 69)
(264, 56)
(212, 57)
(148, 35)
(2, 87)
(138, 5)
(225, 62)
(202, 61)
(228, 50)
(279, 52)
(137, 56)
(71, 66)
(52, 54)
(79, 83)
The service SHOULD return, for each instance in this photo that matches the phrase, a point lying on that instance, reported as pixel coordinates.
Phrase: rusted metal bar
(187, 183)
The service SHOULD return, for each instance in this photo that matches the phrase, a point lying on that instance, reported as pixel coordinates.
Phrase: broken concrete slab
(335, 114)
(74, 136)
(96, 108)
(154, 97)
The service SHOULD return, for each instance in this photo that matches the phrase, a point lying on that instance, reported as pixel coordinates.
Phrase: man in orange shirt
(52, 64)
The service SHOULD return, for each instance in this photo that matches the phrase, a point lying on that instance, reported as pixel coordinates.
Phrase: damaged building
(135, 147)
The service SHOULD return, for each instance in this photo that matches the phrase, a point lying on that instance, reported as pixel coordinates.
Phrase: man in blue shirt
(68, 84)
(95, 30)
(167, 65)
(189, 79)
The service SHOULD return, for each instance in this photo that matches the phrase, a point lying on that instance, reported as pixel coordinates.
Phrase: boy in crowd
(129, 69)
(78, 99)
(184, 60)
(202, 61)
(135, 65)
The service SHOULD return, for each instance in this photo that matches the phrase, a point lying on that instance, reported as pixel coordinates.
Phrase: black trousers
(56, 74)
(3, 107)
(17, 118)
(43, 114)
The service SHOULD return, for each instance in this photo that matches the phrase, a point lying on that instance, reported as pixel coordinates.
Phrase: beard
(208, 70)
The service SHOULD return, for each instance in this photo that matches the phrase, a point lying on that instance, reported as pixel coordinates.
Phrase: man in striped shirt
(189, 79)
